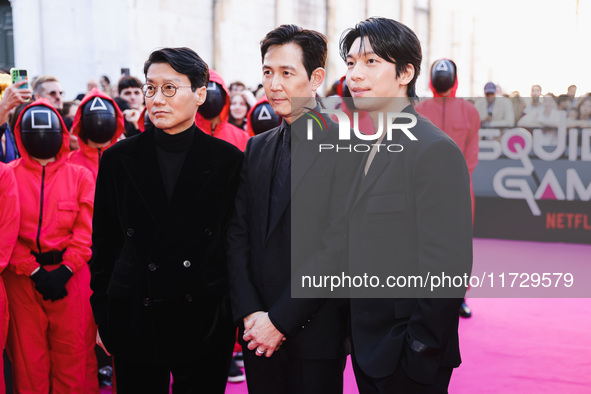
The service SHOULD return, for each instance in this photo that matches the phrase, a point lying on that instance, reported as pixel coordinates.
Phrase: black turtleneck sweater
(172, 150)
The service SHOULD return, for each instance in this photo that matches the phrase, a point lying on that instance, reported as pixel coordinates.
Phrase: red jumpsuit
(223, 130)
(9, 221)
(89, 158)
(86, 156)
(48, 340)
(459, 119)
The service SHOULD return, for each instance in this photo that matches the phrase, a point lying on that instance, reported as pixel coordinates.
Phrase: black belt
(49, 258)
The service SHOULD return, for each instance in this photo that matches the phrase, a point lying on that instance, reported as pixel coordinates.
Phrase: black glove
(52, 285)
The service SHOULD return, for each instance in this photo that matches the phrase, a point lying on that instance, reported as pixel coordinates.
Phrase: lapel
(143, 170)
(263, 173)
(379, 163)
(307, 152)
(382, 159)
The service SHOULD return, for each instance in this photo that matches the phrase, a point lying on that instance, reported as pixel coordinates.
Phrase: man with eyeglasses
(163, 201)
(49, 87)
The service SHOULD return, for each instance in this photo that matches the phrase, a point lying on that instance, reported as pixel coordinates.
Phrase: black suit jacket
(412, 211)
(259, 256)
(159, 276)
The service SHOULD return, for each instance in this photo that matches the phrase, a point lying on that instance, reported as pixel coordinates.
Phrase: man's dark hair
(184, 61)
(312, 44)
(390, 40)
(128, 82)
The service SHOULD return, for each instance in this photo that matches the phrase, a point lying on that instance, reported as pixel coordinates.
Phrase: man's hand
(249, 97)
(99, 342)
(132, 116)
(250, 319)
(262, 335)
(13, 97)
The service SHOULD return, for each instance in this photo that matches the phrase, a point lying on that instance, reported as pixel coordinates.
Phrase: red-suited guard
(212, 117)
(458, 118)
(9, 220)
(98, 124)
(261, 117)
(47, 280)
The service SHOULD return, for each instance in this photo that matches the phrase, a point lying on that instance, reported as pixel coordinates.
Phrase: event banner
(534, 185)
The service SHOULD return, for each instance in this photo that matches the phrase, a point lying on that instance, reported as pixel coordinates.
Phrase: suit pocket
(386, 203)
(121, 283)
(385, 209)
(66, 215)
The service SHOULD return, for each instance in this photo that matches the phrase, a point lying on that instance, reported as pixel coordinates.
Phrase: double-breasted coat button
(208, 232)
(186, 263)
(129, 232)
(188, 298)
(152, 267)
(147, 302)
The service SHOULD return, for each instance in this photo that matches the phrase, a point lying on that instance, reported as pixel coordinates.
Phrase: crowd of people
(546, 111)
(153, 220)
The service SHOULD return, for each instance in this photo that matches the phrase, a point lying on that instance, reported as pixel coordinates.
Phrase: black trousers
(208, 374)
(398, 382)
(282, 373)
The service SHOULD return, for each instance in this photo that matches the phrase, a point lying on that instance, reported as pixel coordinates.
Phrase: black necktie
(281, 175)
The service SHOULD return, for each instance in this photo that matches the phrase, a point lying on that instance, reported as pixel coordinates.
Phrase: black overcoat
(412, 214)
(261, 254)
(159, 278)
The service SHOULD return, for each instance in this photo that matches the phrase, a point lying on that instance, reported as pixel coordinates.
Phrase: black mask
(443, 75)
(215, 101)
(263, 118)
(99, 121)
(41, 132)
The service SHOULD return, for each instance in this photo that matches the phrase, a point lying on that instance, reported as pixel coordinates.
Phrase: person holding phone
(14, 95)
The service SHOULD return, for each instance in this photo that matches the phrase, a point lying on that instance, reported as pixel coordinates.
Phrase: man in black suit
(410, 214)
(260, 254)
(162, 205)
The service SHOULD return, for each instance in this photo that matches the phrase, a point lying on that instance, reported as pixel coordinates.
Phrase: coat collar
(143, 170)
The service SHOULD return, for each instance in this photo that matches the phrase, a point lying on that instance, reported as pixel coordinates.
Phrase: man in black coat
(162, 204)
(260, 254)
(410, 215)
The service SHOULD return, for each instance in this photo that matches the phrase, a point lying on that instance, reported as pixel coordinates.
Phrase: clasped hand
(261, 334)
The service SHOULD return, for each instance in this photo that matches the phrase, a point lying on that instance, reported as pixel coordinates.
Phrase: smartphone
(19, 74)
(125, 71)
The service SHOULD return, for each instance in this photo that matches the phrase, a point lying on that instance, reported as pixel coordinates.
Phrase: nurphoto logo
(391, 120)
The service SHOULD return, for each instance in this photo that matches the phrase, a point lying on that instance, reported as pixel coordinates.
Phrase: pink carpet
(518, 345)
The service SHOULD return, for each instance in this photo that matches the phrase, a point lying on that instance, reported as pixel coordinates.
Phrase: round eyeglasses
(168, 89)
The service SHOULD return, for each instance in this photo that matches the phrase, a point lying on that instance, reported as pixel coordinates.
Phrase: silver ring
(259, 351)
